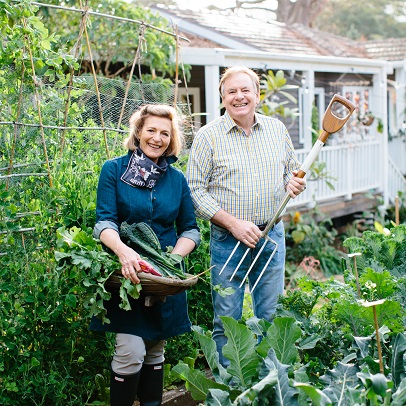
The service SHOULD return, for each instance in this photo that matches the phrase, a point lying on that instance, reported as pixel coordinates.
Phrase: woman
(142, 186)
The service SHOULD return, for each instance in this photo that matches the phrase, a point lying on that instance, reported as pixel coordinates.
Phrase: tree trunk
(302, 11)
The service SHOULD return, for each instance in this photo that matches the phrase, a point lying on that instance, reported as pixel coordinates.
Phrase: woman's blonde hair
(239, 69)
(137, 122)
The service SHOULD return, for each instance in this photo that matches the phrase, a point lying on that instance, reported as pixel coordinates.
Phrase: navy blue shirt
(168, 209)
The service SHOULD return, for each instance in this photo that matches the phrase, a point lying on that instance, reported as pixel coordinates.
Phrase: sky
(199, 4)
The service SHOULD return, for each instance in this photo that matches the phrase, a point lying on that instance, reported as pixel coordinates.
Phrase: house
(367, 155)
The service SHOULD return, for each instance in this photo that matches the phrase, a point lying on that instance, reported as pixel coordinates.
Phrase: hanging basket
(156, 285)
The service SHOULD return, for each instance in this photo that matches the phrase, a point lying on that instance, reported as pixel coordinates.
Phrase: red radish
(146, 267)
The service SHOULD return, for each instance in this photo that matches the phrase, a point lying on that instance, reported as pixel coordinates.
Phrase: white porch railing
(356, 168)
(396, 181)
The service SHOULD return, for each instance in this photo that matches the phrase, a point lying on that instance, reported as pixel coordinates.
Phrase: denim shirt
(168, 210)
(161, 207)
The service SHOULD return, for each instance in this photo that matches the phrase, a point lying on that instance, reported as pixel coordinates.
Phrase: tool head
(331, 121)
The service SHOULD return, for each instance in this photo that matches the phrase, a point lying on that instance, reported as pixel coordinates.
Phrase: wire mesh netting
(45, 126)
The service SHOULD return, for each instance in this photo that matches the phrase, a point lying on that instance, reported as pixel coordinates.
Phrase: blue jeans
(266, 293)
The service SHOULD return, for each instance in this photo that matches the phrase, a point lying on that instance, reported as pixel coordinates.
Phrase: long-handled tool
(331, 124)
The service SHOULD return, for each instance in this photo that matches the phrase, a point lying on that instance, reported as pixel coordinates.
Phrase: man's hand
(246, 232)
(296, 185)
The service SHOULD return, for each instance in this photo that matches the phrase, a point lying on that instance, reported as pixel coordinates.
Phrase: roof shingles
(276, 37)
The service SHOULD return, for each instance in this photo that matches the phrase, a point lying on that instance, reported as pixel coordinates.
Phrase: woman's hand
(129, 262)
(128, 258)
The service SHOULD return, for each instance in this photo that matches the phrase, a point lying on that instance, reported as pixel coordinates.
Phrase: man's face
(240, 97)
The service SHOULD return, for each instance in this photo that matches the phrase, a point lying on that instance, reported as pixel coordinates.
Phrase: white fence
(356, 168)
(396, 181)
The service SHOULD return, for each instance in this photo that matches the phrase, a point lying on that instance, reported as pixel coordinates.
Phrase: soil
(176, 397)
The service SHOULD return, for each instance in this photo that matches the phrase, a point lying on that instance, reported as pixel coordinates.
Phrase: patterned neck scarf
(142, 172)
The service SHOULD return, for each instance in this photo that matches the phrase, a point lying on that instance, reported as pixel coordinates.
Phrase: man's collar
(230, 123)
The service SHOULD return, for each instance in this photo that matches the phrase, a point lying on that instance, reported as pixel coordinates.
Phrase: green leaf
(309, 342)
(378, 382)
(208, 346)
(35, 362)
(298, 236)
(339, 379)
(399, 397)
(398, 359)
(240, 350)
(285, 395)
(133, 289)
(71, 300)
(125, 303)
(196, 381)
(217, 397)
(317, 396)
(282, 337)
(261, 390)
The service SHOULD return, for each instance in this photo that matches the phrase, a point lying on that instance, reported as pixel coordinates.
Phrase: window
(193, 94)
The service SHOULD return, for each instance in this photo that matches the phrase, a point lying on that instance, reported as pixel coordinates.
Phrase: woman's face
(155, 136)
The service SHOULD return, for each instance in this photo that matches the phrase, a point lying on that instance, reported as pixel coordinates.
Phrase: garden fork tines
(331, 123)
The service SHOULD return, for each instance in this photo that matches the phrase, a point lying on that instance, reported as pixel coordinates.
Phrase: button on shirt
(244, 175)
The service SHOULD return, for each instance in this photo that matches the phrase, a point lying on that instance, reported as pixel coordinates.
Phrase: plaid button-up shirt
(244, 175)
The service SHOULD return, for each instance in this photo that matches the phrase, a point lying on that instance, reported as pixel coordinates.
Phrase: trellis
(103, 108)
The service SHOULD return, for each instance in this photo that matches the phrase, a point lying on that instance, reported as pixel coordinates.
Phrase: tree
(114, 43)
(359, 20)
(375, 19)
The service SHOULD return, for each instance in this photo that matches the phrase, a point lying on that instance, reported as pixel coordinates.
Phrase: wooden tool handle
(331, 123)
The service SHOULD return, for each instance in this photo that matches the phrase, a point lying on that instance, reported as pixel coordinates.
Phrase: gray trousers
(131, 352)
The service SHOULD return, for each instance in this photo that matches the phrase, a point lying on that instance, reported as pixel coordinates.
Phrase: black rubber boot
(123, 389)
(151, 385)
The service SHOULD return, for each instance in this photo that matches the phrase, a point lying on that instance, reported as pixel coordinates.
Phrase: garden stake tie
(331, 124)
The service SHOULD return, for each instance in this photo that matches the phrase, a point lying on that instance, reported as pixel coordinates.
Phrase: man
(240, 167)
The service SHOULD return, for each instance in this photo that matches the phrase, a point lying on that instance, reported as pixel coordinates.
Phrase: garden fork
(330, 124)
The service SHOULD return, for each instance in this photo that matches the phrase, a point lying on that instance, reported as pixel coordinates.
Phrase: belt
(262, 226)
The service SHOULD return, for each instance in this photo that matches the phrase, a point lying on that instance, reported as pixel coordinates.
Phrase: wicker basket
(157, 285)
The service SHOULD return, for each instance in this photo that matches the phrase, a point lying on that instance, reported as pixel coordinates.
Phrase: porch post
(308, 99)
(400, 111)
(400, 79)
(379, 103)
(211, 82)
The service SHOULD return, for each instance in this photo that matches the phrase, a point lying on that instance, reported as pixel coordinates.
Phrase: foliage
(321, 346)
(115, 54)
(24, 32)
(373, 20)
(273, 86)
(47, 354)
(376, 19)
(312, 235)
(271, 372)
(391, 211)
(143, 240)
(46, 350)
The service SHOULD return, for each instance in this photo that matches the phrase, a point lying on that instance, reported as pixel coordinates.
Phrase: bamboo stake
(75, 54)
(96, 85)
(127, 90)
(397, 211)
(38, 103)
(355, 255)
(378, 341)
(175, 97)
(20, 98)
